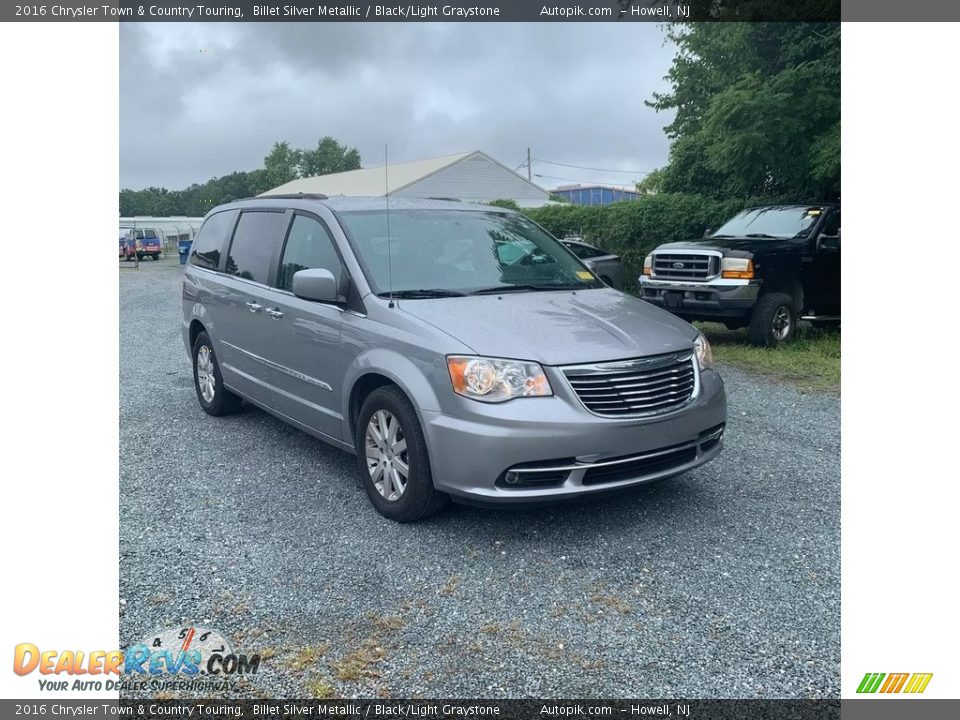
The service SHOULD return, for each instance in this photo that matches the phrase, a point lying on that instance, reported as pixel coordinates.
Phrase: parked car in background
(607, 266)
(128, 246)
(765, 269)
(462, 352)
(147, 242)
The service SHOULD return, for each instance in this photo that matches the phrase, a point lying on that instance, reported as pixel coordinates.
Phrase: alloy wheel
(781, 322)
(205, 376)
(386, 453)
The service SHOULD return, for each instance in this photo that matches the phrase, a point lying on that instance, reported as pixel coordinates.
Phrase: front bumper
(719, 297)
(536, 449)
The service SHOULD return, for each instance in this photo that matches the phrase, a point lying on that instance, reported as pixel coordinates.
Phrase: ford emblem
(678, 266)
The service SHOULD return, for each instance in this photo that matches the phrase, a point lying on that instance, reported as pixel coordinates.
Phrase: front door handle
(274, 313)
(254, 306)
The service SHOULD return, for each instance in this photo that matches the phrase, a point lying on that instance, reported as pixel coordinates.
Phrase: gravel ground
(724, 582)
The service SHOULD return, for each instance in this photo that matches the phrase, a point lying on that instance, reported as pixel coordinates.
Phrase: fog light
(512, 477)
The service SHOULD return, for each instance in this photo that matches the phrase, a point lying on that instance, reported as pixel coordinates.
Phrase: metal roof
(375, 182)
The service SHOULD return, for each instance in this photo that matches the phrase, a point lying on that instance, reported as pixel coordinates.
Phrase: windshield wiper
(761, 235)
(523, 287)
(421, 293)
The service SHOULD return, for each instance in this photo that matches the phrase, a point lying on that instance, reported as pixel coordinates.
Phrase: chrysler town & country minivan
(456, 349)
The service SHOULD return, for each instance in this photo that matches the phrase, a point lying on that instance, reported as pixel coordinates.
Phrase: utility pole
(529, 170)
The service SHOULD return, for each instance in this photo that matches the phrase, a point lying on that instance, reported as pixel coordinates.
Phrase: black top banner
(429, 11)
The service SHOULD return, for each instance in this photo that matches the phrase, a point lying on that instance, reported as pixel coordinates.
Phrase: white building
(170, 229)
(471, 176)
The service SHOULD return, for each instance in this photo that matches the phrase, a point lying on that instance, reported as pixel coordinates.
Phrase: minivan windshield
(439, 253)
(772, 222)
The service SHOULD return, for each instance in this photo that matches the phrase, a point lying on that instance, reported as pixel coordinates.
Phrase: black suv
(765, 269)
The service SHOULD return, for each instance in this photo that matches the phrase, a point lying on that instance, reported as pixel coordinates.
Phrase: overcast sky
(204, 100)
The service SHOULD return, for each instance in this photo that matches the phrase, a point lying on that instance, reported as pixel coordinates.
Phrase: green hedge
(633, 228)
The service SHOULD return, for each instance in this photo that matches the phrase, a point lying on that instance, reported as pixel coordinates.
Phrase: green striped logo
(894, 682)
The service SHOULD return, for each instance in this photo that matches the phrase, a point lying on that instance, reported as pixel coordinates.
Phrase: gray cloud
(203, 100)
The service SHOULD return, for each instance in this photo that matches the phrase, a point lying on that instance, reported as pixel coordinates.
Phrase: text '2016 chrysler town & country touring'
(456, 349)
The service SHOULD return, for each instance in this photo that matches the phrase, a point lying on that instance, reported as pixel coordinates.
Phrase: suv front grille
(628, 388)
(685, 266)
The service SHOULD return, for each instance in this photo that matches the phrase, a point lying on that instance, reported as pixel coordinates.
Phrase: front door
(303, 337)
(822, 284)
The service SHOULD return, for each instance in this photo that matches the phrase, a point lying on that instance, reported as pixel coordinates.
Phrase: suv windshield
(453, 252)
(774, 222)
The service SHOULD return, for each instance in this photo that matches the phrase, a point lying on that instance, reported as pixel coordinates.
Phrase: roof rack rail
(449, 199)
(295, 196)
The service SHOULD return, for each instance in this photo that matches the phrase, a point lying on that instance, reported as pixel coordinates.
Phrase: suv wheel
(392, 458)
(214, 398)
(774, 320)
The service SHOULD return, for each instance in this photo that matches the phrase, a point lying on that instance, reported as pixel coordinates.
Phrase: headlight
(704, 353)
(648, 265)
(741, 268)
(493, 380)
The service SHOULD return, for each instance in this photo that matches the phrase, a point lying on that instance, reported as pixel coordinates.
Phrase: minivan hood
(556, 328)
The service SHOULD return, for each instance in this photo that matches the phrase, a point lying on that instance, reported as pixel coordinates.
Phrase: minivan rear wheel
(214, 398)
(392, 458)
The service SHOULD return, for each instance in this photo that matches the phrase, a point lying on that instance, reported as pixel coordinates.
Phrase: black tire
(156, 256)
(223, 401)
(418, 499)
(734, 324)
(767, 320)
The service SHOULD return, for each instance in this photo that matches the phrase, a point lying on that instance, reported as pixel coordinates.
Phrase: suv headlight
(648, 265)
(704, 353)
(738, 268)
(494, 380)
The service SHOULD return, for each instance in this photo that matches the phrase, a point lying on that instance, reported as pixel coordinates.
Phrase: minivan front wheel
(214, 398)
(392, 458)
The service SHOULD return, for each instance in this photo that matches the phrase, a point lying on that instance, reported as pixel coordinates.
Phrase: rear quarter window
(210, 240)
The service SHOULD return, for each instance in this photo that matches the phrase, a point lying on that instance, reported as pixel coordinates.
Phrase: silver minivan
(458, 350)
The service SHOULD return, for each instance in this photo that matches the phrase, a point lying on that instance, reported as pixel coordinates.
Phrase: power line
(584, 167)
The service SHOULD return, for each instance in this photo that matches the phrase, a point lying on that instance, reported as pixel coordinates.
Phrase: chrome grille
(685, 266)
(645, 386)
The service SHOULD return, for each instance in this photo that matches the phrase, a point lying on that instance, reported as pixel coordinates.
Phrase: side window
(832, 226)
(584, 251)
(254, 242)
(208, 244)
(309, 245)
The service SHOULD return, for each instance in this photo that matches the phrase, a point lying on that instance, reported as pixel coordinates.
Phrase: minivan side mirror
(317, 284)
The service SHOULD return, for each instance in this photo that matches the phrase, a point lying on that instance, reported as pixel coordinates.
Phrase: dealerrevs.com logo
(885, 683)
(187, 658)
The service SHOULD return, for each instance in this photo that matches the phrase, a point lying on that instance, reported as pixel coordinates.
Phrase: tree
(757, 110)
(328, 157)
(651, 183)
(282, 164)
